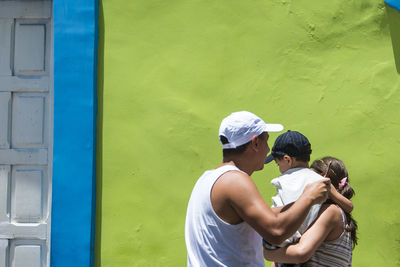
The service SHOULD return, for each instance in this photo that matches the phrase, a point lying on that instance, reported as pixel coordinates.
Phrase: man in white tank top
(226, 216)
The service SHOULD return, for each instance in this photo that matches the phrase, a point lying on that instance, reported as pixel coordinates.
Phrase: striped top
(334, 253)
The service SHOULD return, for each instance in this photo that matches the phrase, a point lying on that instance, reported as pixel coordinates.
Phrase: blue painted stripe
(75, 110)
(393, 3)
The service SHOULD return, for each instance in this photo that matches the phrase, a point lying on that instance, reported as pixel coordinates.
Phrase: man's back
(211, 241)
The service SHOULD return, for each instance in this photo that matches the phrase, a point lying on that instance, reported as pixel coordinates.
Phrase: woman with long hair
(329, 241)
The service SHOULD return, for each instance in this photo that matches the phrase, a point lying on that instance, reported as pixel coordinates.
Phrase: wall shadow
(99, 158)
(394, 24)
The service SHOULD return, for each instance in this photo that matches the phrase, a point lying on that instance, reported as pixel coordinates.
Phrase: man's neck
(240, 162)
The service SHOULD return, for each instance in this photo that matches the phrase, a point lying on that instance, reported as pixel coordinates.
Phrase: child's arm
(309, 241)
(343, 202)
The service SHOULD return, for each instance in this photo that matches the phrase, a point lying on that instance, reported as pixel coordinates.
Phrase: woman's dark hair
(336, 173)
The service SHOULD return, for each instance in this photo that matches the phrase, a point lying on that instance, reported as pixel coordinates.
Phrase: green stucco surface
(173, 69)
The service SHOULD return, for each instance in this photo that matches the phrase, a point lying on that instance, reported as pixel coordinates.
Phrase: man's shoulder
(235, 182)
(221, 170)
(234, 174)
(213, 175)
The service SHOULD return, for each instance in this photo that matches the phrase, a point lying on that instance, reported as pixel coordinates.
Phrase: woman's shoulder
(331, 209)
(332, 214)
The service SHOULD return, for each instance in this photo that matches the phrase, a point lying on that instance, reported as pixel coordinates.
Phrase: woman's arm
(310, 240)
(339, 199)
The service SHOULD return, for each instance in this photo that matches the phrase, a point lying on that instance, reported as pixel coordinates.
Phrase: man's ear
(255, 142)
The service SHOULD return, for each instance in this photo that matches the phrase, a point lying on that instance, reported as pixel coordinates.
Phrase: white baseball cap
(240, 127)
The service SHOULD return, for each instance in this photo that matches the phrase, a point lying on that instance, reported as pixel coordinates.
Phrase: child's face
(283, 163)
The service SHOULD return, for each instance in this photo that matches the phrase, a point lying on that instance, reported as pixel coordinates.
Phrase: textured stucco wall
(173, 69)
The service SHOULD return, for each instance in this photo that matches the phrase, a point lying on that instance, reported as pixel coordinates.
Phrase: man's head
(291, 149)
(243, 128)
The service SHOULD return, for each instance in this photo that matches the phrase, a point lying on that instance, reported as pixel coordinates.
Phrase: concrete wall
(173, 69)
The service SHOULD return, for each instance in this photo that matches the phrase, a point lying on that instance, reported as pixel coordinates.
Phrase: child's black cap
(291, 143)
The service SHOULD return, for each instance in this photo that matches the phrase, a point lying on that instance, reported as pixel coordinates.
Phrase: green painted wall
(173, 69)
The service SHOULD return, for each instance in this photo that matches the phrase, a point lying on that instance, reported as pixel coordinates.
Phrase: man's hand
(318, 191)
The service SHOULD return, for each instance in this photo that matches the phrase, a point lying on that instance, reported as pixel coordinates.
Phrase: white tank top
(210, 241)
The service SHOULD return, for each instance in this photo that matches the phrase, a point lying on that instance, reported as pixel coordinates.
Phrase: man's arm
(246, 200)
(281, 208)
(309, 241)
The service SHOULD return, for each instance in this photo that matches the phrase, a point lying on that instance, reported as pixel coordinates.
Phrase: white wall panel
(27, 195)
(3, 252)
(27, 256)
(4, 193)
(5, 46)
(27, 253)
(30, 44)
(28, 120)
(5, 106)
(26, 95)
